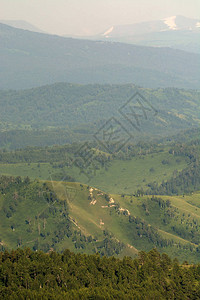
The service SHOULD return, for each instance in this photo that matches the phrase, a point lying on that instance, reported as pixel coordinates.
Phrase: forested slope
(61, 113)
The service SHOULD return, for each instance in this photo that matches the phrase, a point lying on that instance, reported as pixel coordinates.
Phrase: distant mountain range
(174, 23)
(176, 32)
(30, 59)
(21, 24)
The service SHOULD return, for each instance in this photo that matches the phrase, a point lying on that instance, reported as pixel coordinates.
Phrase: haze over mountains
(30, 59)
(174, 23)
(176, 32)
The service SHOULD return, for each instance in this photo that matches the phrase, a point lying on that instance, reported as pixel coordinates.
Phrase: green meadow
(119, 176)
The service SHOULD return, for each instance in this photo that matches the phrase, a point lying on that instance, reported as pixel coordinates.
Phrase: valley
(99, 150)
(117, 176)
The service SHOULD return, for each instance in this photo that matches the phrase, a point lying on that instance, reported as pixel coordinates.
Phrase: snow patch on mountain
(108, 31)
(171, 22)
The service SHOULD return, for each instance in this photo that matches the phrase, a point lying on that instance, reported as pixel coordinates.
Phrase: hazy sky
(93, 16)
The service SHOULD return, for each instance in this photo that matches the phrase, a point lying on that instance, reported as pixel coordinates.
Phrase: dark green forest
(25, 274)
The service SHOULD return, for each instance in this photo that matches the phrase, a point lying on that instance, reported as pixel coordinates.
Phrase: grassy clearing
(122, 176)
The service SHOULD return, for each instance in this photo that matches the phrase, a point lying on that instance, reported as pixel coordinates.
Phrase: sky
(88, 17)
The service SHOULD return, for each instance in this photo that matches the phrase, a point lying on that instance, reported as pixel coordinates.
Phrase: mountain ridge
(38, 59)
(169, 23)
(21, 24)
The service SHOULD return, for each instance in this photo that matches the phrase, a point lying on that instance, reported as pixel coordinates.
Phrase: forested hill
(37, 58)
(34, 275)
(83, 109)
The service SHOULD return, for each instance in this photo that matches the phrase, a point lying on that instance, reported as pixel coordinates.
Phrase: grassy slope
(120, 177)
(128, 176)
(90, 219)
(93, 219)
